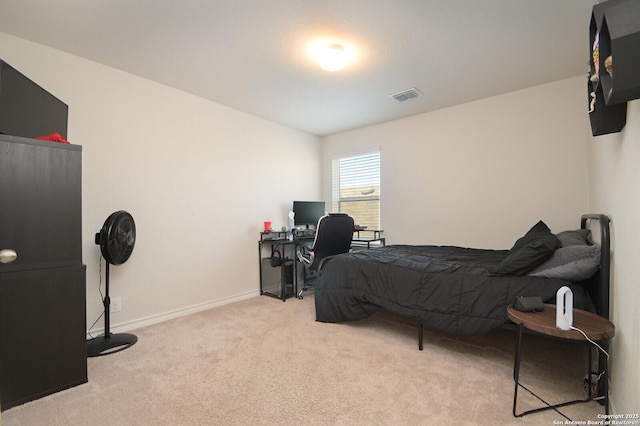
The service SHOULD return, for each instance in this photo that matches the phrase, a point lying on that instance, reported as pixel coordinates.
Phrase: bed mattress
(447, 288)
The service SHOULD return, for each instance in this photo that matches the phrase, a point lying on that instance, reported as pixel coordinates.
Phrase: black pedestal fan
(116, 240)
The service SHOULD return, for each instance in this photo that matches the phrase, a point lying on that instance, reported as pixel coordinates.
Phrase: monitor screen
(308, 212)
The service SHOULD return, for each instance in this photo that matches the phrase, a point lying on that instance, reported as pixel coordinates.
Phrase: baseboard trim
(165, 316)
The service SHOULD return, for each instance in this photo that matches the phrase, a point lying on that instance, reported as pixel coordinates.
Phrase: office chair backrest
(333, 236)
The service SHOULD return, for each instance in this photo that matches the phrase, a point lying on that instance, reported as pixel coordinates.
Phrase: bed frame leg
(420, 337)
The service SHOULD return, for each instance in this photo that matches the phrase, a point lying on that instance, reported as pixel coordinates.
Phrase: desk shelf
(369, 238)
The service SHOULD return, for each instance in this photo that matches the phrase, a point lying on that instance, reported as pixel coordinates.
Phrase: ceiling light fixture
(332, 57)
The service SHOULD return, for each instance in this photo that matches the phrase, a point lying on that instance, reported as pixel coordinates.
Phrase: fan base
(108, 345)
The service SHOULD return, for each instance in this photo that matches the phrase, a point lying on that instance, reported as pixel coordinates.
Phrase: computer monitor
(308, 212)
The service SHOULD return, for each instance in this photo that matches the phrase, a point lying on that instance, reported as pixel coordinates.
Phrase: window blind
(356, 188)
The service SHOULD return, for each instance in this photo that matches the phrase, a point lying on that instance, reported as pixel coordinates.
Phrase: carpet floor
(262, 361)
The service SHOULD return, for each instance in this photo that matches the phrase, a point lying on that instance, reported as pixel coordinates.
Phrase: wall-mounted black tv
(308, 212)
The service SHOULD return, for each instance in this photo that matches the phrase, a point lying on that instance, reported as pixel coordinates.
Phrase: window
(356, 188)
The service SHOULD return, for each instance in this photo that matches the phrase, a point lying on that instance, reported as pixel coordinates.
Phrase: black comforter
(447, 288)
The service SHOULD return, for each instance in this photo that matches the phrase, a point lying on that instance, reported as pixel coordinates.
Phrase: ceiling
(252, 55)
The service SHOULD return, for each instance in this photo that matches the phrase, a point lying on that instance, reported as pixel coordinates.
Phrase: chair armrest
(305, 255)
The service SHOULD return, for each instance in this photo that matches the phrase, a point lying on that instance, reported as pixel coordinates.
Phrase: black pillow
(538, 230)
(529, 251)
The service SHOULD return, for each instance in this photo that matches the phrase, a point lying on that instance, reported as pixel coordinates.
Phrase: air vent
(406, 95)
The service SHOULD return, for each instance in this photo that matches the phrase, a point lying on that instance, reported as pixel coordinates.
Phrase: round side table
(595, 327)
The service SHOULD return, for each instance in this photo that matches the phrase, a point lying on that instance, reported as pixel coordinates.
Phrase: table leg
(605, 376)
(516, 379)
(516, 367)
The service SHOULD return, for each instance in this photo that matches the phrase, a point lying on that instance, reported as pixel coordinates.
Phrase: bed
(462, 290)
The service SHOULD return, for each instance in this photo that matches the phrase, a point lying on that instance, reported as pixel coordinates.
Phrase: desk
(280, 280)
(596, 328)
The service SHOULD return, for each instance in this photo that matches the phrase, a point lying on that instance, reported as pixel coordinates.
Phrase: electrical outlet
(116, 304)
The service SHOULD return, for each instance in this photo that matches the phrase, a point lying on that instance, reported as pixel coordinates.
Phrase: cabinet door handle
(8, 256)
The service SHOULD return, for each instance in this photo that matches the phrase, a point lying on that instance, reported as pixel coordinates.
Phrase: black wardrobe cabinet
(42, 292)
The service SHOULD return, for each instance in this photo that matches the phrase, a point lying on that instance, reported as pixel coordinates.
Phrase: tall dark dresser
(42, 287)
(42, 293)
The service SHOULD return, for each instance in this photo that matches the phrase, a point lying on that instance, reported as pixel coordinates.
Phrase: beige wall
(479, 174)
(199, 179)
(615, 190)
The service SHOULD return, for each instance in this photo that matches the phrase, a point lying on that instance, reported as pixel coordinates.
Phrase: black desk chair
(334, 233)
